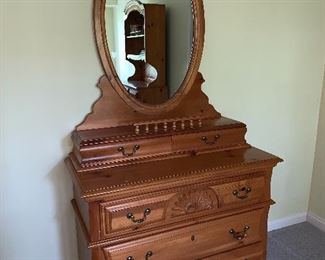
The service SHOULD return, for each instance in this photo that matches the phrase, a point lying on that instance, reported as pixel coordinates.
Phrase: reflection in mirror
(150, 43)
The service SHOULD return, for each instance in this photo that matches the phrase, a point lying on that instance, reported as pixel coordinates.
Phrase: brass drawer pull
(148, 255)
(139, 221)
(239, 235)
(134, 150)
(206, 141)
(242, 193)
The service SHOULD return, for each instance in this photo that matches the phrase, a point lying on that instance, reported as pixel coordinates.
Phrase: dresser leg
(97, 254)
(265, 234)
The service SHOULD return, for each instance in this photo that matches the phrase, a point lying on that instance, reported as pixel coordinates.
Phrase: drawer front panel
(131, 216)
(197, 241)
(252, 252)
(209, 140)
(127, 150)
(156, 211)
(240, 192)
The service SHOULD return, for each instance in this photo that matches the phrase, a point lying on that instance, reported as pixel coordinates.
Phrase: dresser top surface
(168, 172)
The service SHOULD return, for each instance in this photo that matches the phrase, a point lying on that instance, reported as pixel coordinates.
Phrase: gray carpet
(297, 242)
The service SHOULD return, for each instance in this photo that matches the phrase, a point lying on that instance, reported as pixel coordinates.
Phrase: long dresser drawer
(197, 241)
(251, 252)
(131, 216)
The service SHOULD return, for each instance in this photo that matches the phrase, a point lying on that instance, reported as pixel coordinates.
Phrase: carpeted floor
(298, 242)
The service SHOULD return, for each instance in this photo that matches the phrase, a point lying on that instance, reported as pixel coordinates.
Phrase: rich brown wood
(252, 252)
(179, 193)
(171, 181)
(81, 221)
(202, 239)
(188, 170)
(111, 111)
(93, 151)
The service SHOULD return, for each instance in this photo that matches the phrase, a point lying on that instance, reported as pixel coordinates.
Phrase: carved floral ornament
(192, 202)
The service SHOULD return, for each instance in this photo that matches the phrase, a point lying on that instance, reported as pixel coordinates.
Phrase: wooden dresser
(174, 182)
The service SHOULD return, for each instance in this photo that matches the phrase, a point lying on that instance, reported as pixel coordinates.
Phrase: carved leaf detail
(191, 202)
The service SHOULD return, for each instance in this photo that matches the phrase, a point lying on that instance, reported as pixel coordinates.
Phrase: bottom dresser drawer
(197, 241)
(252, 252)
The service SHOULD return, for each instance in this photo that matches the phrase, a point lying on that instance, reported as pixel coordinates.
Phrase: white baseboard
(316, 221)
(287, 221)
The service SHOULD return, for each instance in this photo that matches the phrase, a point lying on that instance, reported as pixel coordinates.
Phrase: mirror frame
(192, 72)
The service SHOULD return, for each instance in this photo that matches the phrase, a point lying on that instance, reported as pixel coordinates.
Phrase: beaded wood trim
(161, 132)
(105, 164)
(209, 171)
(197, 185)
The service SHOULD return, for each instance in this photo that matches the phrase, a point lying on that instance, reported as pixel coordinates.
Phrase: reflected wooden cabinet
(145, 48)
(175, 181)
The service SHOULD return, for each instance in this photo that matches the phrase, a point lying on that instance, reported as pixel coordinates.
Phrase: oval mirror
(151, 49)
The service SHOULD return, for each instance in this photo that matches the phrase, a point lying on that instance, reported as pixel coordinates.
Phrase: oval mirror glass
(150, 43)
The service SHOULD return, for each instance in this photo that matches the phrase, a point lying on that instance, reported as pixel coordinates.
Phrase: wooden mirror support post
(170, 181)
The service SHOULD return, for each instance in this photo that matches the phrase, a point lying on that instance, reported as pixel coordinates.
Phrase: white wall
(48, 73)
(262, 63)
(317, 195)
